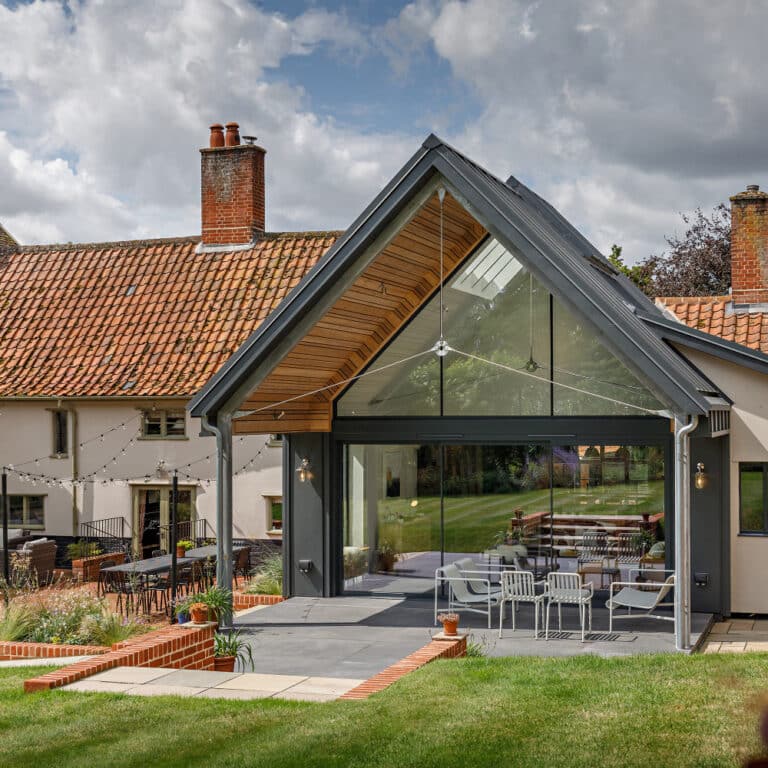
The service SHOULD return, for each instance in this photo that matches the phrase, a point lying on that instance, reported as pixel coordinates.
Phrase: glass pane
(405, 389)
(498, 312)
(153, 425)
(16, 511)
(184, 511)
(175, 424)
(35, 512)
(583, 363)
(391, 517)
(752, 499)
(494, 495)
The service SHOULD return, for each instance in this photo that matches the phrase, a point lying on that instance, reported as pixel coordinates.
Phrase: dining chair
(567, 589)
(520, 587)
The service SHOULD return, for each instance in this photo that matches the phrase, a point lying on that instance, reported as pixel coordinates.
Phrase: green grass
(472, 522)
(664, 711)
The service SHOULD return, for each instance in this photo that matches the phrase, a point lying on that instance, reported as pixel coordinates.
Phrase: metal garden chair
(567, 589)
(520, 587)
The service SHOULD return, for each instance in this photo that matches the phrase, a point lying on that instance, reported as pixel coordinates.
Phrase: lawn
(663, 711)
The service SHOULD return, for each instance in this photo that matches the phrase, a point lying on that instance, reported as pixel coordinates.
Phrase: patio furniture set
(142, 584)
(471, 587)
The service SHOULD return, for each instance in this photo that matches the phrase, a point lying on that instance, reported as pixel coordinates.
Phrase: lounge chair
(520, 587)
(460, 598)
(645, 600)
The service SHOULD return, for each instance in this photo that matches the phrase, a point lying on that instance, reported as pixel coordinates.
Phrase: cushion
(657, 550)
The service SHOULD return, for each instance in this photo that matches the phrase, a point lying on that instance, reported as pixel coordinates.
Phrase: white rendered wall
(26, 432)
(748, 442)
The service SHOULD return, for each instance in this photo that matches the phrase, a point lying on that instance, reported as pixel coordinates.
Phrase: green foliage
(77, 550)
(267, 578)
(109, 628)
(233, 644)
(218, 600)
(640, 274)
(186, 543)
(17, 622)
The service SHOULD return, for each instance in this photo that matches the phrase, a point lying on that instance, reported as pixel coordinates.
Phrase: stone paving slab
(194, 678)
(59, 661)
(98, 686)
(150, 689)
(229, 693)
(299, 696)
(269, 684)
(132, 675)
(330, 686)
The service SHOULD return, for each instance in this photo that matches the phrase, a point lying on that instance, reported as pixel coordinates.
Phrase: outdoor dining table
(154, 565)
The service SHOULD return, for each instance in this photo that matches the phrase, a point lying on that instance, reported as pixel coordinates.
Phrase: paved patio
(358, 636)
(144, 681)
(737, 636)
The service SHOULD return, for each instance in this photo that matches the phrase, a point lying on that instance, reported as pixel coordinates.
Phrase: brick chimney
(749, 246)
(232, 188)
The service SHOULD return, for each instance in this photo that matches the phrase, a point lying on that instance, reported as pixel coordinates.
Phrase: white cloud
(117, 98)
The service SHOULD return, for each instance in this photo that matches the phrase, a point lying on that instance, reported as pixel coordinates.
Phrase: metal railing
(193, 530)
(110, 532)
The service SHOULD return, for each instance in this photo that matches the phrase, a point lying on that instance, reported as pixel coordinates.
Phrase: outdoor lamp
(304, 471)
(700, 479)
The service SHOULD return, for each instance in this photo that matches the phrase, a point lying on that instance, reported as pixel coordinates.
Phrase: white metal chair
(645, 600)
(520, 587)
(459, 596)
(469, 567)
(567, 589)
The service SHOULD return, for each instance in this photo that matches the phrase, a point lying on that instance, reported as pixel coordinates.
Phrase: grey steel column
(683, 533)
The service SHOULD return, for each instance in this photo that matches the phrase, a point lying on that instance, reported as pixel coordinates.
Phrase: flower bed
(65, 616)
(87, 568)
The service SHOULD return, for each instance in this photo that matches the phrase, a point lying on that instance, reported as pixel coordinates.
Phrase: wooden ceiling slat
(362, 321)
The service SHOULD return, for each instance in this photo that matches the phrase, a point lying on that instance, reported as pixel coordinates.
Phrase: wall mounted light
(700, 479)
(304, 471)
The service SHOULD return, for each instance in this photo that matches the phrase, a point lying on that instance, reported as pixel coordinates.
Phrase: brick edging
(436, 649)
(180, 646)
(241, 601)
(12, 650)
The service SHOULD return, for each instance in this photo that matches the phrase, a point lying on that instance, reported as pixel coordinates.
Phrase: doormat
(593, 637)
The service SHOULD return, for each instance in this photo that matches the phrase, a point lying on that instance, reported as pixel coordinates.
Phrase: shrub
(17, 622)
(109, 628)
(267, 578)
(80, 549)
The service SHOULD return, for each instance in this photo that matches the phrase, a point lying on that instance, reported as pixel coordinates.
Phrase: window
(164, 425)
(274, 513)
(753, 494)
(26, 512)
(60, 433)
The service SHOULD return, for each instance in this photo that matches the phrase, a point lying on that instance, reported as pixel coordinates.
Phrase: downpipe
(683, 532)
(223, 541)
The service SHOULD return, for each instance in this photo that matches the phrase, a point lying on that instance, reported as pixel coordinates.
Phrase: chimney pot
(217, 135)
(753, 187)
(233, 135)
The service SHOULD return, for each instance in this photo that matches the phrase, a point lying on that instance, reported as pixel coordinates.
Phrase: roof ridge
(149, 242)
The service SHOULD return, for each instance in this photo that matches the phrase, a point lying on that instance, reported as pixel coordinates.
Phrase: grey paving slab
(330, 686)
(132, 675)
(150, 689)
(194, 678)
(298, 696)
(97, 686)
(265, 683)
(228, 693)
(61, 661)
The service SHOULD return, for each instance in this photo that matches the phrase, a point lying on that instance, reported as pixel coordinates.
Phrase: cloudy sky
(622, 114)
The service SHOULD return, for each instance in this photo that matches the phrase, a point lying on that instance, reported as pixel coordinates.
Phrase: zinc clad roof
(140, 318)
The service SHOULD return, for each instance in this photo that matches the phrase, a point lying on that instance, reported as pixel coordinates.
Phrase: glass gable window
(515, 351)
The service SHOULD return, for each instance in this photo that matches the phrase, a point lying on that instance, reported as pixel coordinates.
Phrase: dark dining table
(154, 565)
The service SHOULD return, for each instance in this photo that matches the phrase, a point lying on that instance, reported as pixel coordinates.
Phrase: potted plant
(450, 622)
(198, 613)
(182, 547)
(218, 600)
(387, 555)
(229, 648)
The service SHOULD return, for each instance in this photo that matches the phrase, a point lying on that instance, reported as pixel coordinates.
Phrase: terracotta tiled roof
(143, 318)
(6, 241)
(715, 315)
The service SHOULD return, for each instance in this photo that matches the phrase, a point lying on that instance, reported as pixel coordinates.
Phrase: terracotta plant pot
(223, 663)
(180, 552)
(450, 627)
(199, 615)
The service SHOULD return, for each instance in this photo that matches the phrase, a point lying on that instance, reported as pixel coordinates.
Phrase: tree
(698, 263)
